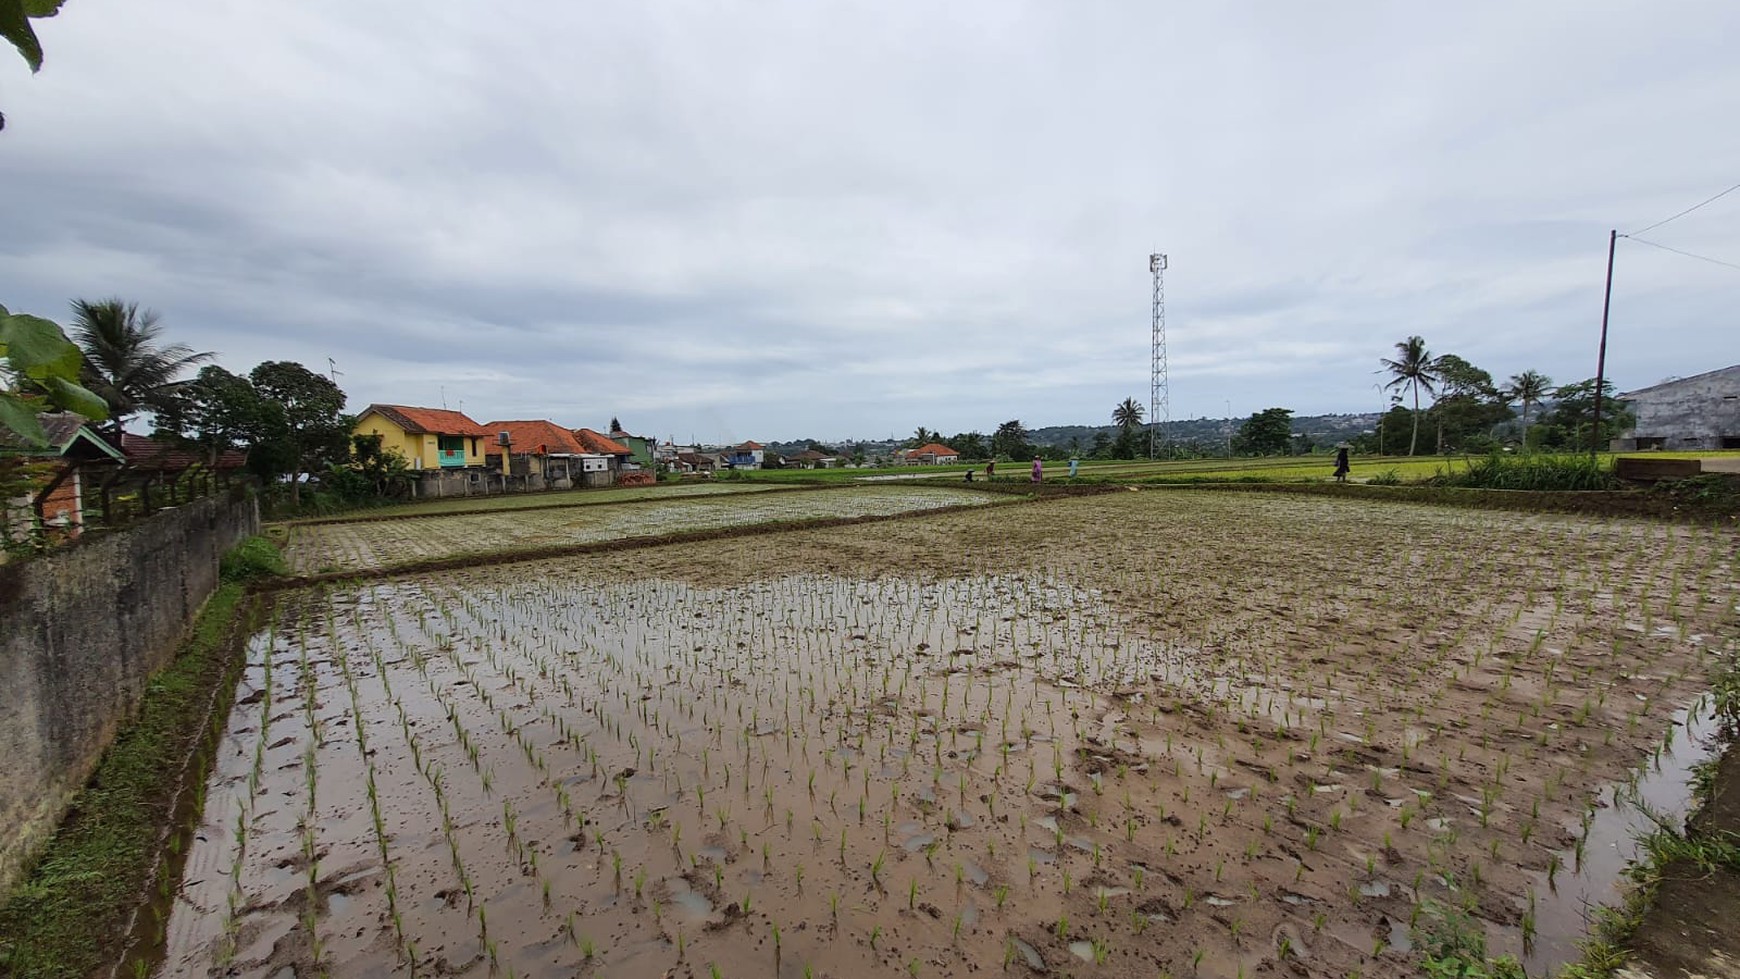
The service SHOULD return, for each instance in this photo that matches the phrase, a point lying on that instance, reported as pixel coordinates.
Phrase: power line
(1676, 251)
(1685, 212)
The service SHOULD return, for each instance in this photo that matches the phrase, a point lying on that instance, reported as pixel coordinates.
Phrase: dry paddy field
(1143, 734)
(359, 545)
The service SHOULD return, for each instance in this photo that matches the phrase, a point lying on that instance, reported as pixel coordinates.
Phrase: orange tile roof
(752, 446)
(428, 421)
(528, 436)
(933, 449)
(600, 444)
(163, 456)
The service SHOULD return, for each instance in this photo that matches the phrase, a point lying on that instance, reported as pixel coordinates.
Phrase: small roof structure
(1675, 381)
(427, 421)
(540, 435)
(936, 450)
(161, 455)
(700, 460)
(600, 444)
(69, 437)
(751, 446)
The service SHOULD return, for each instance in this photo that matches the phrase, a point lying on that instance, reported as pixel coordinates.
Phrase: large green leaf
(36, 348)
(19, 415)
(72, 397)
(42, 8)
(15, 27)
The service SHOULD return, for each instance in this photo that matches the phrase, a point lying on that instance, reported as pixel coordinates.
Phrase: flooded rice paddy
(1157, 733)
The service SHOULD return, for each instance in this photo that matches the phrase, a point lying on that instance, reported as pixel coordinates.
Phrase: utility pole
(1601, 357)
(1229, 428)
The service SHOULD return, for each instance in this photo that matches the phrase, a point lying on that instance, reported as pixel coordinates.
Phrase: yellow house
(431, 438)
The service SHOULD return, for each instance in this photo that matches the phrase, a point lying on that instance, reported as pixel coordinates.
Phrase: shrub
(1532, 472)
(1389, 477)
(1453, 946)
(252, 559)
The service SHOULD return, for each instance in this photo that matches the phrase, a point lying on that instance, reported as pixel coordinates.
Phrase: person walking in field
(1341, 466)
(1074, 466)
(990, 469)
(1038, 470)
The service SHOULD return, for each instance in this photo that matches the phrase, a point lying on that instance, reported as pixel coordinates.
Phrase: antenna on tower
(1159, 394)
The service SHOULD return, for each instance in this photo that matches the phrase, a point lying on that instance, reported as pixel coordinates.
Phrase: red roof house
(539, 437)
(601, 444)
(933, 454)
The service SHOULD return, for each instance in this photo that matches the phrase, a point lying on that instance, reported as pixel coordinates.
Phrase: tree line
(117, 364)
(1466, 410)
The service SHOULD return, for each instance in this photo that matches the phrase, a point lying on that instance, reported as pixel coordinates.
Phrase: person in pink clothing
(1038, 469)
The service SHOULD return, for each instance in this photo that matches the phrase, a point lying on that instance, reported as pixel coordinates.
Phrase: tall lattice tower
(1159, 394)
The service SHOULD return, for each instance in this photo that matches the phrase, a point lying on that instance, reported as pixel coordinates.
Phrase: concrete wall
(85, 627)
(1692, 413)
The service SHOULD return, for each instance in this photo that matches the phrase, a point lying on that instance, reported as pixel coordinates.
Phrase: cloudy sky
(772, 220)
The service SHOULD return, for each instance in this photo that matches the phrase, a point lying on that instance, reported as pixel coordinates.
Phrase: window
(1652, 443)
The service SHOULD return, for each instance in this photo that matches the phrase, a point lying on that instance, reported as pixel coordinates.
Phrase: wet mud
(1206, 734)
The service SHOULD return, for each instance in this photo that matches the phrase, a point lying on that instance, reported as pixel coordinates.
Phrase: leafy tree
(1267, 432)
(39, 369)
(1570, 423)
(311, 430)
(1010, 440)
(219, 411)
(1101, 445)
(971, 445)
(1412, 368)
(1128, 414)
(922, 436)
(615, 424)
(372, 472)
(126, 362)
(1468, 407)
(1530, 388)
(1127, 444)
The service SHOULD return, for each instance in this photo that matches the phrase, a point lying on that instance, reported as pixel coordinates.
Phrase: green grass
(1533, 472)
(253, 558)
(1453, 946)
(68, 916)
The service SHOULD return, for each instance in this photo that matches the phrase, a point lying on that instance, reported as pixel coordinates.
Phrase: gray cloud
(849, 219)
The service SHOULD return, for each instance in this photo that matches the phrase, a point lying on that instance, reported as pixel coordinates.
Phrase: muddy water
(583, 768)
(670, 766)
(1594, 874)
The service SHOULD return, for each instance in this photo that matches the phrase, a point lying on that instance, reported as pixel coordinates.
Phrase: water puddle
(1029, 954)
(1664, 789)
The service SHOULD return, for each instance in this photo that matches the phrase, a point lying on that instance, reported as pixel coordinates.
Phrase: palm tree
(1128, 414)
(1530, 388)
(1412, 368)
(126, 362)
(922, 436)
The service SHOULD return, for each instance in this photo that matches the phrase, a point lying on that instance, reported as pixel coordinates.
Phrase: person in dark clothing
(1341, 466)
